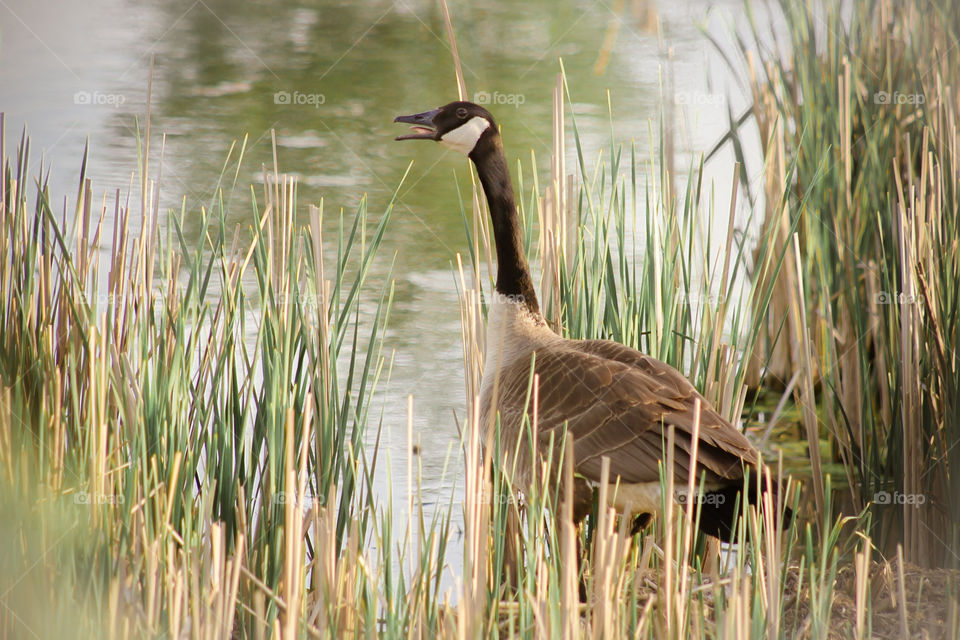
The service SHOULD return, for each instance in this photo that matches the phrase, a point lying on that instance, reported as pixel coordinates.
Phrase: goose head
(459, 126)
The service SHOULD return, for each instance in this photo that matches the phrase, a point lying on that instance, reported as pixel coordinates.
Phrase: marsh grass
(192, 410)
(862, 100)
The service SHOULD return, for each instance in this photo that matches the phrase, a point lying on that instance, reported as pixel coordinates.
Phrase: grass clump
(176, 416)
(860, 99)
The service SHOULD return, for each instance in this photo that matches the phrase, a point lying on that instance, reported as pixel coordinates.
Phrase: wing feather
(619, 403)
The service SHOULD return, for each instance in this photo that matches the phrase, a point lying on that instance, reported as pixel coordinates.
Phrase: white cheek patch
(464, 138)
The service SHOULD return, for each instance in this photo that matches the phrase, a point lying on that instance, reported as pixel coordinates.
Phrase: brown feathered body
(613, 400)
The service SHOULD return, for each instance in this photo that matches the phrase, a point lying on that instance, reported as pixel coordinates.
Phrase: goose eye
(462, 113)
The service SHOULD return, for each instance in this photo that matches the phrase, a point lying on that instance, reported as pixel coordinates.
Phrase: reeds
(195, 408)
(863, 101)
(234, 493)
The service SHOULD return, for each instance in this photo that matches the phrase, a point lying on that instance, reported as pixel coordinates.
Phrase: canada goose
(615, 401)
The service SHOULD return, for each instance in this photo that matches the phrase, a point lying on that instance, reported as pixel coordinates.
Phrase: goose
(615, 401)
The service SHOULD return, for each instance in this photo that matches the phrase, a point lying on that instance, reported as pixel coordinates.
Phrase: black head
(458, 125)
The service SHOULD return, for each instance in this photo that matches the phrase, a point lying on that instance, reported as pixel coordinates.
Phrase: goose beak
(423, 126)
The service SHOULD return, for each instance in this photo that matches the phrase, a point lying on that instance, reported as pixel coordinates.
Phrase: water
(328, 78)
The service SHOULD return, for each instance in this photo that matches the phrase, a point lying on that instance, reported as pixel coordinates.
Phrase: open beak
(423, 127)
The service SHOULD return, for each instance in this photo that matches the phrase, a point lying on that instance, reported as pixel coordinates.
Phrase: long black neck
(513, 273)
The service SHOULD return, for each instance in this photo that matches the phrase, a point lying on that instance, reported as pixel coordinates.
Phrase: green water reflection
(329, 78)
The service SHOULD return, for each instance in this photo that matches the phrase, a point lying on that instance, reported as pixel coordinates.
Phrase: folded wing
(619, 403)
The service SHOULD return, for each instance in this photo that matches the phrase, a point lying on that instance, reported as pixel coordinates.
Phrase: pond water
(328, 77)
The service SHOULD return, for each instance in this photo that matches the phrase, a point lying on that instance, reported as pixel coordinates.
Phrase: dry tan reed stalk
(452, 40)
(569, 596)
(807, 399)
(601, 605)
(472, 331)
(556, 232)
(910, 367)
(668, 567)
(6, 434)
(688, 526)
(759, 520)
(410, 498)
(862, 568)
(291, 536)
(902, 593)
(475, 513)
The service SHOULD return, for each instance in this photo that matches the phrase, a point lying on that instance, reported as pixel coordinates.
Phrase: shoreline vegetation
(189, 430)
